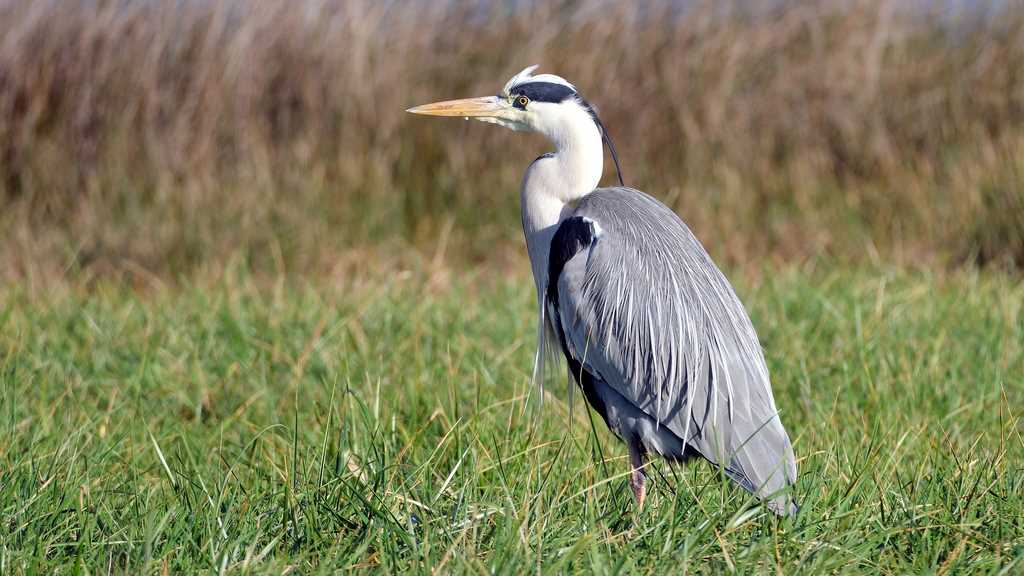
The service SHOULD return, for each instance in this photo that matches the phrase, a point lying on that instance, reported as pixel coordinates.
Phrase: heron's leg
(639, 478)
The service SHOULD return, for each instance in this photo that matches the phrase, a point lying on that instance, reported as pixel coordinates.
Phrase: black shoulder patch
(544, 91)
(573, 235)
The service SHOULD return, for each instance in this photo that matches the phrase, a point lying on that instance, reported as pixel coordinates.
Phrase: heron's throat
(557, 180)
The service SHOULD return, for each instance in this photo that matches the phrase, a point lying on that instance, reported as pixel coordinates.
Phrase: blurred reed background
(163, 140)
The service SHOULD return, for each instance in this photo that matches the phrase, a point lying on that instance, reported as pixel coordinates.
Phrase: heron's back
(650, 313)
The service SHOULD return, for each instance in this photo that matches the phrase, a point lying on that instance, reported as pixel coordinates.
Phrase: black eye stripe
(558, 93)
(542, 92)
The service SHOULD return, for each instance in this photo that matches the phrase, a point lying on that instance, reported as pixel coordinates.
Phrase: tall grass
(389, 430)
(167, 138)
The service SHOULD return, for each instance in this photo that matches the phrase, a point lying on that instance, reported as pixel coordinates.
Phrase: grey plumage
(673, 356)
(652, 331)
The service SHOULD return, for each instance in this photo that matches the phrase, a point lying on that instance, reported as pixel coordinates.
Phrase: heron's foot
(638, 482)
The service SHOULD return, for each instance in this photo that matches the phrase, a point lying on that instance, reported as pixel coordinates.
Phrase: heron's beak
(487, 106)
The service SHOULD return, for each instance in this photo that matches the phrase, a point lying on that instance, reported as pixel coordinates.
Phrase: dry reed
(165, 139)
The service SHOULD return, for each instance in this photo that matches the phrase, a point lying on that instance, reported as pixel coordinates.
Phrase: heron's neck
(554, 182)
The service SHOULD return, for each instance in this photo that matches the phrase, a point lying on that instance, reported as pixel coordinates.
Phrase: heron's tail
(766, 467)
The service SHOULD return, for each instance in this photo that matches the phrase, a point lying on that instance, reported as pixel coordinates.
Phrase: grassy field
(168, 406)
(262, 429)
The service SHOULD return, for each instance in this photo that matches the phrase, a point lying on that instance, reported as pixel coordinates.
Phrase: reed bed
(161, 140)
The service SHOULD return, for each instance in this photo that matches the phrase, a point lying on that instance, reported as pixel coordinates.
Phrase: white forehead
(527, 76)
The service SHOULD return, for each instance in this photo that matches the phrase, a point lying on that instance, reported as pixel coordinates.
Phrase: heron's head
(544, 103)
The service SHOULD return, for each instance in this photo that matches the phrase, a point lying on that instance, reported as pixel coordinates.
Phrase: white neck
(554, 182)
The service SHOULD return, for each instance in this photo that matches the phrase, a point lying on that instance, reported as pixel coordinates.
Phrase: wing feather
(663, 327)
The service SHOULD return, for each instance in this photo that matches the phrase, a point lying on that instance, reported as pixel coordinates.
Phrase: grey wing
(646, 311)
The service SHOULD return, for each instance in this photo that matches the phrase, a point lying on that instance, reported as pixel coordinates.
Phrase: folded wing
(642, 307)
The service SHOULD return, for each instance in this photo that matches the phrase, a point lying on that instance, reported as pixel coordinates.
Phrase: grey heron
(652, 331)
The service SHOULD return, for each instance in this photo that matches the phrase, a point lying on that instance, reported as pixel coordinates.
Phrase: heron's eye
(522, 101)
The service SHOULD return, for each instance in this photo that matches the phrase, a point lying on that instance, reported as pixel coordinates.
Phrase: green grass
(312, 428)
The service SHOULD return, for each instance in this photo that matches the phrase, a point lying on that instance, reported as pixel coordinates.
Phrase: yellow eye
(523, 101)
